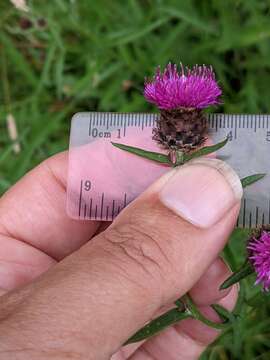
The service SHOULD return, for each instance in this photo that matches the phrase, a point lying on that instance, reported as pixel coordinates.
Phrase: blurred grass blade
(205, 150)
(189, 17)
(243, 272)
(162, 322)
(154, 156)
(257, 300)
(17, 60)
(251, 179)
(138, 33)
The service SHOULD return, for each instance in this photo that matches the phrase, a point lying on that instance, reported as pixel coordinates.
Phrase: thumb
(153, 253)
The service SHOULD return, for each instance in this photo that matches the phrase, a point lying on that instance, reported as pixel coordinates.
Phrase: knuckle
(140, 246)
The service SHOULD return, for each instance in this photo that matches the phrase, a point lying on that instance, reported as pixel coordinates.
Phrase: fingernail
(202, 191)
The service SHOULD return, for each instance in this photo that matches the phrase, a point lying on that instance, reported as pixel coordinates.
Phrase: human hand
(74, 298)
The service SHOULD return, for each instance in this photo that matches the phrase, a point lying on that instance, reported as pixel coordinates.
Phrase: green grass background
(94, 55)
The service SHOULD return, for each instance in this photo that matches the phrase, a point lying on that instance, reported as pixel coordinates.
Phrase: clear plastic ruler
(102, 180)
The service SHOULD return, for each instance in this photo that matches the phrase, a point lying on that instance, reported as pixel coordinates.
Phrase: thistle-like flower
(181, 96)
(259, 256)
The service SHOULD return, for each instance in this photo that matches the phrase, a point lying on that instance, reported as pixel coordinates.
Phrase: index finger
(34, 211)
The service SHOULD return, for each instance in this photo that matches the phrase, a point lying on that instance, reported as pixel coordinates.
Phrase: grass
(93, 55)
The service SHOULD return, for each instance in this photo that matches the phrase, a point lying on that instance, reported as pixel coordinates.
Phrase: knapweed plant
(181, 95)
(258, 259)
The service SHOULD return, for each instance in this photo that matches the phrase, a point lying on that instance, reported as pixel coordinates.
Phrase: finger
(206, 291)
(202, 333)
(153, 253)
(35, 231)
(34, 211)
(20, 263)
(188, 339)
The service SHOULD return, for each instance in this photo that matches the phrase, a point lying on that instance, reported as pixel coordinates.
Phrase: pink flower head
(259, 256)
(187, 88)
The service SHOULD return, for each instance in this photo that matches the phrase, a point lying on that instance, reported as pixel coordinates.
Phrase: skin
(77, 290)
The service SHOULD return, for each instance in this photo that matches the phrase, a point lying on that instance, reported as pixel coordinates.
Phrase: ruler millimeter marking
(95, 192)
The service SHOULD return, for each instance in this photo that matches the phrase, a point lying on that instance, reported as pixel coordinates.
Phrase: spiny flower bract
(259, 256)
(186, 88)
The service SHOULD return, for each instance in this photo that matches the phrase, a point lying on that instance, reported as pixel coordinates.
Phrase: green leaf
(205, 150)
(251, 179)
(164, 159)
(155, 326)
(240, 274)
(196, 314)
(224, 314)
(150, 155)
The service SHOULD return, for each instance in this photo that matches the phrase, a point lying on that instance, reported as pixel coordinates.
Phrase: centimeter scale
(102, 180)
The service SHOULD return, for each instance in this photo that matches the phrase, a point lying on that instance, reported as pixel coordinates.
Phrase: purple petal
(259, 256)
(189, 88)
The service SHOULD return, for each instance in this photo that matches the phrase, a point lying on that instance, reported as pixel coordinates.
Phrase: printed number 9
(87, 185)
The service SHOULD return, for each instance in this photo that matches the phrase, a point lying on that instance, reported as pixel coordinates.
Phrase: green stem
(177, 157)
(199, 316)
